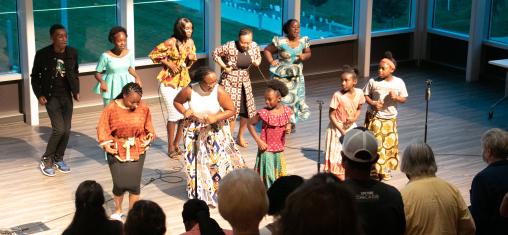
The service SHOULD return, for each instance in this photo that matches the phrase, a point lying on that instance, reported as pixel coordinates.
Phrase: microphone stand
(320, 102)
(428, 83)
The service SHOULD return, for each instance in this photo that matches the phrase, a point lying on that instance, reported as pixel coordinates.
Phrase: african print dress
(383, 123)
(210, 150)
(238, 80)
(344, 108)
(271, 163)
(290, 72)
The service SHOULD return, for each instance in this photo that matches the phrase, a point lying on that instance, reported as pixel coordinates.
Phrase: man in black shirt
(55, 82)
(380, 205)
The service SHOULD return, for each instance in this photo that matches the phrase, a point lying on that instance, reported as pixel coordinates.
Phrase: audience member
(503, 209)
(196, 218)
(380, 206)
(277, 195)
(491, 184)
(242, 201)
(432, 205)
(145, 218)
(90, 216)
(322, 205)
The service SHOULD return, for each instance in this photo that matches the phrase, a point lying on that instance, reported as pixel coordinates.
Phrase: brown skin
(348, 85)
(385, 72)
(119, 50)
(293, 36)
(245, 42)
(207, 85)
(59, 40)
(130, 101)
(272, 101)
(188, 42)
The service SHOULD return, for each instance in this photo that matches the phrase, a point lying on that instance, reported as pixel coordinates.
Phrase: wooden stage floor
(457, 118)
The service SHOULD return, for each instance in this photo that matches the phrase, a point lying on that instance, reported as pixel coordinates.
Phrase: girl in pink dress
(345, 108)
(275, 120)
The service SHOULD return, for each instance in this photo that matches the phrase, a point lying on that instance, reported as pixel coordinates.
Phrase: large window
(326, 18)
(87, 22)
(452, 15)
(154, 20)
(499, 21)
(9, 46)
(390, 14)
(264, 17)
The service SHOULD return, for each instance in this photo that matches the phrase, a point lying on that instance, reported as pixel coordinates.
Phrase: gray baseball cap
(357, 140)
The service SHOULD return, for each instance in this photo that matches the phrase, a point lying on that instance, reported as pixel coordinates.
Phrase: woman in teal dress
(115, 67)
(287, 67)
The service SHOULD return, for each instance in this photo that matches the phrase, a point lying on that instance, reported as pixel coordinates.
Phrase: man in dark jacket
(54, 81)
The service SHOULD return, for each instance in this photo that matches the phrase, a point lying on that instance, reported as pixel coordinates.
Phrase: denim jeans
(60, 114)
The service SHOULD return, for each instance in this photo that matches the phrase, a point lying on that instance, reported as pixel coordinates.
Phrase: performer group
(203, 113)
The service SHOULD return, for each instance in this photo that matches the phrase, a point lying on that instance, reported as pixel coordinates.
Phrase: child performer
(345, 108)
(275, 119)
(383, 94)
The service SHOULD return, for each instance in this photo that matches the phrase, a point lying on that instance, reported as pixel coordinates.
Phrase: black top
(49, 66)
(243, 60)
(380, 207)
(487, 191)
(60, 85)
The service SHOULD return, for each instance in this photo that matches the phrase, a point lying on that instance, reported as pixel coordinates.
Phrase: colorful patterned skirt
(270, 166)
(385, 131)
(333, 147)
(213, 149)
(292, 77)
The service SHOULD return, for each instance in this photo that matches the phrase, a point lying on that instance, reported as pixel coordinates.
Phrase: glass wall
(87, 22)
(154, 20)
(264, 17)
(452, 15)
(327, 18)
(498, 30)
(390, 14)
(9, 44)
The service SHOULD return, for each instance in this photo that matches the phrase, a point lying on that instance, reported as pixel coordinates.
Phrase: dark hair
(389, 55)
(179, 29)
(287, 25)
(145, 217)
(322, 205)
(114, 31)
(54, 28)
(128, 88)
(349, 69)
(196, 211)
(244, 31)
(90, 216)
(278, 86)
(199, 74)
(280, 190)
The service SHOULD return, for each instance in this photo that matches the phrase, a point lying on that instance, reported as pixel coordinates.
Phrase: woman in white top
(207, 135)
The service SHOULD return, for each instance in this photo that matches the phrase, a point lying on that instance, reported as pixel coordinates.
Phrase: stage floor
(457, 118)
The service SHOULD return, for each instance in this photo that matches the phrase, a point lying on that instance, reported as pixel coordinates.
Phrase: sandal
(117, 216)
(174, 155)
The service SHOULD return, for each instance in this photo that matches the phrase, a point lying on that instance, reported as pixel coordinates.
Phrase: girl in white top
(207, 136)
(383, 94)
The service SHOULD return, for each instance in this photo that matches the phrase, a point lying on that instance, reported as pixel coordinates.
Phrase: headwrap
(389, 62)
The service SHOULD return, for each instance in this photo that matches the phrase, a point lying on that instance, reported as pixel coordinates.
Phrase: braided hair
(128, 88)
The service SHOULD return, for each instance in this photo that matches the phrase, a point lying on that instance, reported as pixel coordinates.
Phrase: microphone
(428, 83)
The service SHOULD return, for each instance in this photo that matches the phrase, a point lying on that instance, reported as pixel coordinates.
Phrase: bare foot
(242, 143)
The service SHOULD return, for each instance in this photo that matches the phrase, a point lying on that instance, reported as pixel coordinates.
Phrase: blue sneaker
(46, 168)
(62, 167)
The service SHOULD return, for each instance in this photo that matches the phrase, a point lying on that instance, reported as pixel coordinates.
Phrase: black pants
(60, 114)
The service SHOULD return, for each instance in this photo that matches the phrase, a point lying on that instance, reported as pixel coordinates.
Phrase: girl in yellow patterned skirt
(383, 94)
